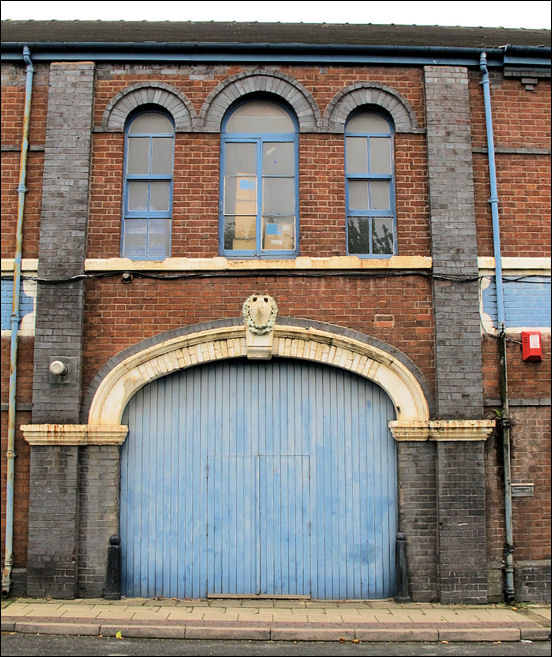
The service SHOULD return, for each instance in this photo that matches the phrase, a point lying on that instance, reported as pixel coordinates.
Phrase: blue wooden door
(273, 478)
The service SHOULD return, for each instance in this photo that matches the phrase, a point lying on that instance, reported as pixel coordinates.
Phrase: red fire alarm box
(531, 345)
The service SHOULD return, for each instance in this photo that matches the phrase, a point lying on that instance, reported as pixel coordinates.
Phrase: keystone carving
(259, 312)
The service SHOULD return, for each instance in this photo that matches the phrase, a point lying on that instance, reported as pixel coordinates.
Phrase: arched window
(148, 182)
(259, 181)
(370, 185)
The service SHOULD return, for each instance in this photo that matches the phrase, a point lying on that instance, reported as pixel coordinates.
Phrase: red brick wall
(530, 462)
(33, 199)
(523, 184)
(13, 103)
(521, 119)
(526, 380)
(12, 110)
(196, 173)
(118, 315)
(530, 440)
(396, 310)
(197, 82)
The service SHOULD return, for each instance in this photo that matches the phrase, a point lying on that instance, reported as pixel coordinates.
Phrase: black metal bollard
(112, 590)
(401, 567)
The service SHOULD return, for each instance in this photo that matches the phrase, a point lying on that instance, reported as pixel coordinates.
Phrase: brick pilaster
(458, 360)
(53, 497)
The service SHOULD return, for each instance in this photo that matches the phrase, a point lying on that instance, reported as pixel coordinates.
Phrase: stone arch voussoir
(259, 81)
(369, 93)
(150, 93)
(296, 339)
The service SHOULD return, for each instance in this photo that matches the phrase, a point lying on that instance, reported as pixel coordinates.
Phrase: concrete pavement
(277, 619)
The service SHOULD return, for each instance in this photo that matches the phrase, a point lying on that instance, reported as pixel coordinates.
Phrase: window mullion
(259, 219)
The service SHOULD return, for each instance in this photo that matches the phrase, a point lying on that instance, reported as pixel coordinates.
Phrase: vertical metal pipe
(494, 193)
(505, 424)
(505, 413)
(15, 319)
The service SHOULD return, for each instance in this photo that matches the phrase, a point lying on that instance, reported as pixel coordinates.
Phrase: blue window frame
(370, 185)
(148, 185)
(259, 179)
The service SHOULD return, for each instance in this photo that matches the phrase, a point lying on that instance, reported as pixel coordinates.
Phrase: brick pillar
(418, 517)
(99, 469)
(458, 362)
(52, 553)
(53, 513)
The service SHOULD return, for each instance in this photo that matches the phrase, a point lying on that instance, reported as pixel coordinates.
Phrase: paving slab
(143, 631)
(397, 634)
(311, 634)
(221, 632)
(480, 634)
(296, 620)
(46, 627)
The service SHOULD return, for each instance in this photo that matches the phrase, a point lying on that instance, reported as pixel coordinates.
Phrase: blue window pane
(138, 156)
(278, 159)
(159, 196)
(240, 159)
(379, 195)
(279, 233)
(159, 234)
(162, 155)
(151, 123)
(357, 155)
(149, 162)
(137, 196)
(369, 172)
(278, 196)
(382, 235)
(380, 155)
(240, 233)
(358, 234)
(359, 195)
(135, 238)
(259, 180)
(240, 195)
(260, 116)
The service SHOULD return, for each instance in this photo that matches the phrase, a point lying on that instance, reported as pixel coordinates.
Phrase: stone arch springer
(299, 339)
(148, 93)
(259, 81)
(370, 93)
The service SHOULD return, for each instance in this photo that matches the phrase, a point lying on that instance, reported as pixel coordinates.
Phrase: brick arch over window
(370, 93)
(260, 81)
(151, 93)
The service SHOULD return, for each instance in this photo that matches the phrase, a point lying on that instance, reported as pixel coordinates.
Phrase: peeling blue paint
(26, 301)
(526, 301)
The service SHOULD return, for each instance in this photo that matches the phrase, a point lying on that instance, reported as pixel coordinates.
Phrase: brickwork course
(451, 494)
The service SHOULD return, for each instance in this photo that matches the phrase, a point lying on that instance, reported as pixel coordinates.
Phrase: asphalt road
(47, 644)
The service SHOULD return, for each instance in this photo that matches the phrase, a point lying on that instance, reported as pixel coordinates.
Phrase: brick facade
(451, 495)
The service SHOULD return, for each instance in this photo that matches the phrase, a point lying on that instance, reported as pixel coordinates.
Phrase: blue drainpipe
(15, 319)
(494, 195)
(505, 413)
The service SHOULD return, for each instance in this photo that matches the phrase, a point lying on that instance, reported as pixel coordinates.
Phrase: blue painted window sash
(259, 140)
(147, 178)
(369, 214)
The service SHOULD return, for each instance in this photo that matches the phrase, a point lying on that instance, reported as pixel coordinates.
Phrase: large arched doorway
(270, 478)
